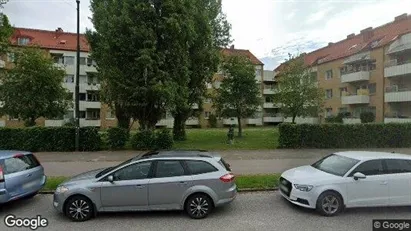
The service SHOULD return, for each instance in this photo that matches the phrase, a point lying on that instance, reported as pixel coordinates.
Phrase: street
(250, 211)
(241, 161)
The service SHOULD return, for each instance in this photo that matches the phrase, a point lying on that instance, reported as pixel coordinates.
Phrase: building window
(83, 60)
(11, 57)
(69, 79)
(23, 41)
(207, 114)
(328, 93)
(93, 96)
(329, 74)
(68, 60)
(328, 112)
(58, 58)
(82, 115)
(93, 114)
(372, 88)
(342, 91)
(258, 72)
(82, 96)
(268, 99)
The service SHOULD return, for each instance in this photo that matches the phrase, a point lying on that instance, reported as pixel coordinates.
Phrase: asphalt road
(250, 211)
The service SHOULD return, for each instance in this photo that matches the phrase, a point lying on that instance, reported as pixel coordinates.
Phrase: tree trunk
(30, 122)
(123, 121)
(293, 120)
(240, 129)
(179, 132)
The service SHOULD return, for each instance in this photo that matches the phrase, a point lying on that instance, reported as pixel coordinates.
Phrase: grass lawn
(216, 139)
(266, 181)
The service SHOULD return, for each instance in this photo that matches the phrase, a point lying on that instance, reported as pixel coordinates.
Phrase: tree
(6, 30)
(211, 32)
(298, 94)
(239, 93)
(33, 89)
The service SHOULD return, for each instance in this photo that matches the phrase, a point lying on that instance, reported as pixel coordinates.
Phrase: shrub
(335, 119)
(117, 137)
(37, 139)
(212, 119)
(148, 140)
(345, 135)
(367, 117)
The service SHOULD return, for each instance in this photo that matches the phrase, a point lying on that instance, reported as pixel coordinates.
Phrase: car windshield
(106, 170)
(335, 164)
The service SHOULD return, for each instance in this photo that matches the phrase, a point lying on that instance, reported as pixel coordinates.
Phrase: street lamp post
(76, 91)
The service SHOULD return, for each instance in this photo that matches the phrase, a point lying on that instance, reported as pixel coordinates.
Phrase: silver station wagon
(190, 180)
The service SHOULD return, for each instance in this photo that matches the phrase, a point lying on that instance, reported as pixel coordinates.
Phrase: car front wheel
(198, 206)
(79, 208)
(329, 204)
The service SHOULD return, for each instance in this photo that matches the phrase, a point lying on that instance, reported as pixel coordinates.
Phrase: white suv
(350, 179)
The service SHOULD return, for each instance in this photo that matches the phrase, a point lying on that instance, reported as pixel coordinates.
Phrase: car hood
(307, 175)
(84, 176)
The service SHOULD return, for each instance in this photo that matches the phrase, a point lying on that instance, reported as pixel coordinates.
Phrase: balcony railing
(397, 88)
(397, 62)
(397, 94)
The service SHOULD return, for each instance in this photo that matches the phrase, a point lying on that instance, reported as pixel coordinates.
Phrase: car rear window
(20, 163)
(199, 167)
(225, 164)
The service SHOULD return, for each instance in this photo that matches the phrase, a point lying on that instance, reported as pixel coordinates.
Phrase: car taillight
(227, 178)
(1, 174)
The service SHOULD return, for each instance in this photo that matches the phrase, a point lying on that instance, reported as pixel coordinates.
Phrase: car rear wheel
(79, 208)
(198, 206)
(329, 204)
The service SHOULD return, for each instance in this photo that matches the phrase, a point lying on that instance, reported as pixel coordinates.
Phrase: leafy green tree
(211, 32)
(33, 89)
(6, 30)
(239, 93)
(298, 94)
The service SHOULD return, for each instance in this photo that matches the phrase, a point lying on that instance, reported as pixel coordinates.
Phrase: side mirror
(359, 175)
(110, 178)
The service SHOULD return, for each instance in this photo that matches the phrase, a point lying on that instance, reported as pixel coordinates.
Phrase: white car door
(399, 181)
(371, 191)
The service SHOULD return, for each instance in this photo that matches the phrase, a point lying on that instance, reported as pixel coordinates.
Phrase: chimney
(58, 32)
(330, 43)
(350, 36)
(232, 47)
(367, 33)
(400, 17)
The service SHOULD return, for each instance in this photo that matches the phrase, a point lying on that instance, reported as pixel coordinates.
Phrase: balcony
(255, 121)
(349, 77)
(273, 118)
(90, 122)
(192, 122)
(269, 91)
(397, 68)
(91, 86)
(397, 120)
(54, 123)
(231, 121)
(303, 120)
(89, 105)
(361, 97)
(271, 105)
(397, 94)
(167, 122)
(268, 78)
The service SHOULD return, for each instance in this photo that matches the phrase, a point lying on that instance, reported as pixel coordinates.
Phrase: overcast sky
(269, 28)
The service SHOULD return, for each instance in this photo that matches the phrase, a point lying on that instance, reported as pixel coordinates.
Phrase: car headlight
(303, 187)
(61, 189)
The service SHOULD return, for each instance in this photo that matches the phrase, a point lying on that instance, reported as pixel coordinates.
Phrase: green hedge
(37, 139)
(117, 137)
(390, 135)
(148, 140)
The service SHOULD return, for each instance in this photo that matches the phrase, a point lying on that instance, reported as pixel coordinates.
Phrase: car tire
(329, 204)
(79, 208)
(198, 206)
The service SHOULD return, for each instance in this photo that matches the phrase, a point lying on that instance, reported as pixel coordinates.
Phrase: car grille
(285, 186)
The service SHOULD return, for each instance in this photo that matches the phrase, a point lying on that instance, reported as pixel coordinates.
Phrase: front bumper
(58, 201)
(297, 197)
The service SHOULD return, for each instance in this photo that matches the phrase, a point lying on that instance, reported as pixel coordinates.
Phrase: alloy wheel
(198, 206)
(79, 209)
(330, 204)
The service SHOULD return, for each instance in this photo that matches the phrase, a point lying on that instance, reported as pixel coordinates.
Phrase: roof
(57, 40)
(369, 155)
(370, 38)
(244, 53)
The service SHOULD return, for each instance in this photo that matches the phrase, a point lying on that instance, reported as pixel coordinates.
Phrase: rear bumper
(5, 196)
(228, 196)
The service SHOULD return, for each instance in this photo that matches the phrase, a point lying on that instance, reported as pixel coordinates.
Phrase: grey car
(194, 181)
(21, 175)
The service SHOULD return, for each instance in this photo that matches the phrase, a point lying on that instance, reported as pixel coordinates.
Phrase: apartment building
(369, 71)
(62, 48)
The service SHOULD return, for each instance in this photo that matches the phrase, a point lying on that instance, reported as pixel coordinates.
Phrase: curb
(240, 190)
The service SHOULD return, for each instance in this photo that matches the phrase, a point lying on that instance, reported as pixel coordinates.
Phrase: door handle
(139, 186)
(28, 175)
(384, 183)
(182, 183)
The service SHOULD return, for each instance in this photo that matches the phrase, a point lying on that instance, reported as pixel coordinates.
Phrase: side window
(133, 172)
(370, 168)
(20, 163)
(199, 167)
(398, 166)
(169, 168)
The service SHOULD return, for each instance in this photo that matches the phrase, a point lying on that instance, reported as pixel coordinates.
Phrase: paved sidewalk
(242, 161)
